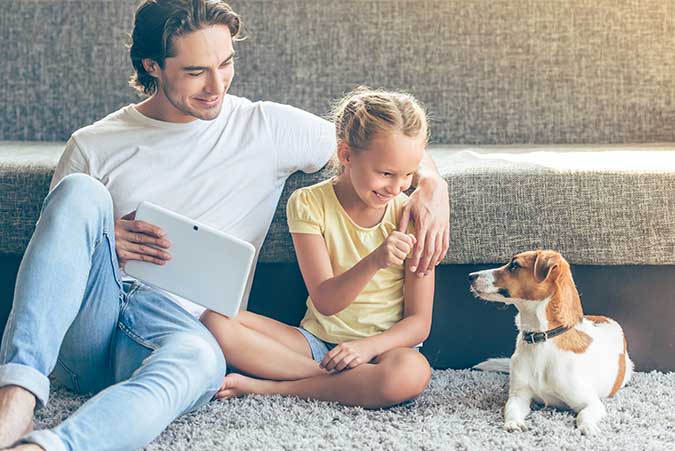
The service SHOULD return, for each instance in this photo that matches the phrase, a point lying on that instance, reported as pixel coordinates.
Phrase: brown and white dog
(562, 357)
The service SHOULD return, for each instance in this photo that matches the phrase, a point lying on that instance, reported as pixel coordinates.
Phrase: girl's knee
(405, 377)
(222, 328)
(246, 318)
(217, 323)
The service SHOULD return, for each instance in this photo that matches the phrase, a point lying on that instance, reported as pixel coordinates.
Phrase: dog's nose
(473, 276)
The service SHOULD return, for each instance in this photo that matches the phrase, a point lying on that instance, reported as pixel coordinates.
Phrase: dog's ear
(547, 266)
(565, 306)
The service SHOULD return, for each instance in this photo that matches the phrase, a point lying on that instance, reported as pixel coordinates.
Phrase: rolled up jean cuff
(27, 378)
(45, 438)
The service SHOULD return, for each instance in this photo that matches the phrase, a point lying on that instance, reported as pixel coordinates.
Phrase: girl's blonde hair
(365, 112)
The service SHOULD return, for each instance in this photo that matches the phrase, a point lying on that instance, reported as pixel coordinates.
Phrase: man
(192, 148)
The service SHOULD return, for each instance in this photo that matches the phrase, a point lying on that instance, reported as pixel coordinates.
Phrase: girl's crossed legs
(278, 353)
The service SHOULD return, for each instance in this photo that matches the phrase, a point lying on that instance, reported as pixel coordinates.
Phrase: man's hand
(429, 210)
(139, 240)
(394, 249)
(348, 355)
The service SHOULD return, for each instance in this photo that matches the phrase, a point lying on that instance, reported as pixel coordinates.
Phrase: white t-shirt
(228, 173)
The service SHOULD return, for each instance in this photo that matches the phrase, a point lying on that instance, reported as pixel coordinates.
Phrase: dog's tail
(495, 365)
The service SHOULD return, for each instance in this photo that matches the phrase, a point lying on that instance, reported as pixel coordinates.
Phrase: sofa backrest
(504, 71)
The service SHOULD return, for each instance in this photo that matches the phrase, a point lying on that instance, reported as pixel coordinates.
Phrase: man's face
(195, 80)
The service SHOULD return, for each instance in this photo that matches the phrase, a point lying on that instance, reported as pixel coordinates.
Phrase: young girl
(365, 313)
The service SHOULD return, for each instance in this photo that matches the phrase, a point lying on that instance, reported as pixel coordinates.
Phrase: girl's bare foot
(16, 414)
(235, 385)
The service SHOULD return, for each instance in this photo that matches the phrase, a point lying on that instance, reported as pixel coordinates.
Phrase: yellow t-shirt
(316, 210)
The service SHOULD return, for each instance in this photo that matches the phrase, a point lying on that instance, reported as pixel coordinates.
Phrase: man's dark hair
(158, 23)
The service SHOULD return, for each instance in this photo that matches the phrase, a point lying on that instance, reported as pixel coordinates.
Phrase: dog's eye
(513, 266)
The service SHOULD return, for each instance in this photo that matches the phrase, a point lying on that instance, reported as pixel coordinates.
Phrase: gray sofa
(536, 108)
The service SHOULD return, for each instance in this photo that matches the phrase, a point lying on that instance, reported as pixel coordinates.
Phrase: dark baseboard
(466, 330)
(9, 265)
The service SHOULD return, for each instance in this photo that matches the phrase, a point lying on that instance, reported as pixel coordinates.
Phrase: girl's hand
(348, 355)
(394, 250)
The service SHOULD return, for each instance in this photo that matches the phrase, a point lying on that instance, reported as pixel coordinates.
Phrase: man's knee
(80, 194)
(201, 366)
(211, 358)
(202, 357)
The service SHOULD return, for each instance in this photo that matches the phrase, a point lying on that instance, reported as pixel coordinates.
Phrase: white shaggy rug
(460, 410)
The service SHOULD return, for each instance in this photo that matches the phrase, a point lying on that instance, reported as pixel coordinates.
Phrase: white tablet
(207, 266)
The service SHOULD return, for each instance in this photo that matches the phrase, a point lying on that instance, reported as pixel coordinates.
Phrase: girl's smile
(382, 197)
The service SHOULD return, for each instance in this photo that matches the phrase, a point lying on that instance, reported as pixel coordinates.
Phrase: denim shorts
(319, 347)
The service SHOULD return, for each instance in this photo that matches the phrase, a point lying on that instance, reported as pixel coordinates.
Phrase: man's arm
(302, 140)
(429, 210)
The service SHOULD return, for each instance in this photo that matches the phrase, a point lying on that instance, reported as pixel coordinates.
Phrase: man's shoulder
(244, 102)
(112, 124)
(275, 110)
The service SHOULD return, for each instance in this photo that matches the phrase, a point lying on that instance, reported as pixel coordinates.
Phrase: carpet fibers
(460, 410)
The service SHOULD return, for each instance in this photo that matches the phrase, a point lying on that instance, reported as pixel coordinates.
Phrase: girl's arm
(330, 293)
(412, 330)
(415, 326)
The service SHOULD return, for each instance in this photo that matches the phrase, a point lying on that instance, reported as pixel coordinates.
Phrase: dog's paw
(589, 428)
(515, 426)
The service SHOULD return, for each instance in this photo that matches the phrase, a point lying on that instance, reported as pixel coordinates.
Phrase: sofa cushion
(26, 169)
(595, 204)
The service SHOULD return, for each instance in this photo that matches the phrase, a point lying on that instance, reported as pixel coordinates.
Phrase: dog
(562, 358)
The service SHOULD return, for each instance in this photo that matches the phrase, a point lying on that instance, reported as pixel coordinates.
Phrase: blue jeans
(147, 359)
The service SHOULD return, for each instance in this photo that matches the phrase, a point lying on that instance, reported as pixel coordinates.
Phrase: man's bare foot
(16, 413)
(235, 385)
(27, 447)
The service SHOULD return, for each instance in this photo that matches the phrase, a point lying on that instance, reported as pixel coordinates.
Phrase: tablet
(207, 266)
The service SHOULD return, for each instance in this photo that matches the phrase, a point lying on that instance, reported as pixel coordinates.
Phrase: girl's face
(380, 172)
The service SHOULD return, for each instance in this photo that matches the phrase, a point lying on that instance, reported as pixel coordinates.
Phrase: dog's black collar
(540, 337)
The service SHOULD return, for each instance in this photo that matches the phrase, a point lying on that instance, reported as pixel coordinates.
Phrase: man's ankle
(16, 413)
(18, 393)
